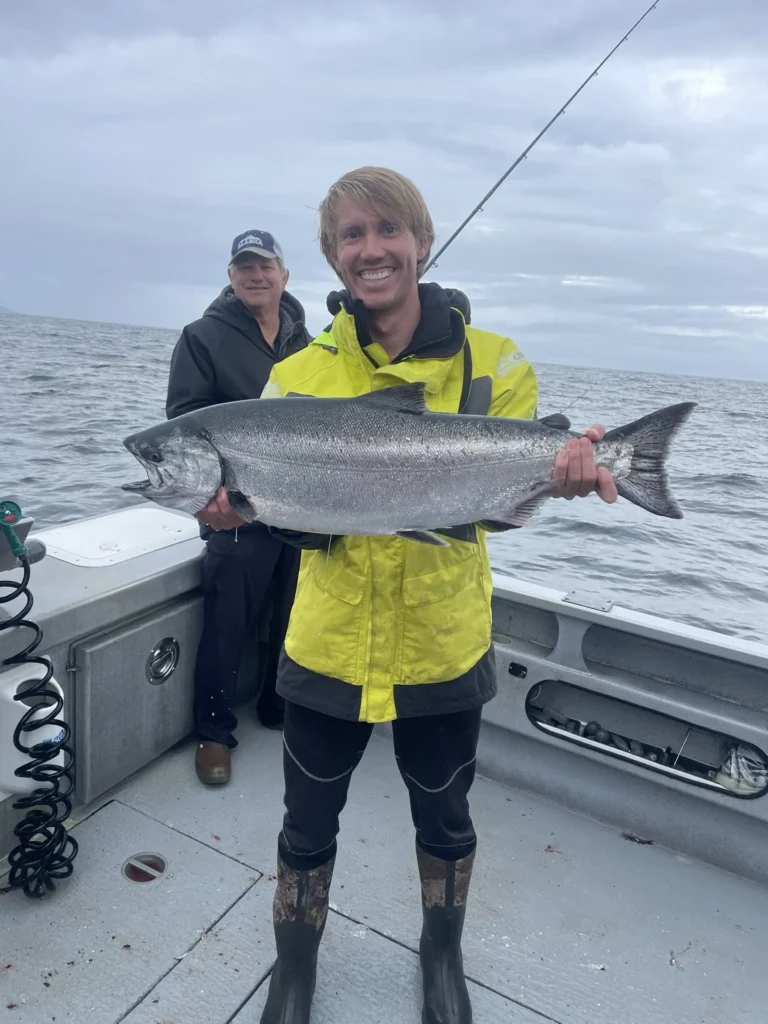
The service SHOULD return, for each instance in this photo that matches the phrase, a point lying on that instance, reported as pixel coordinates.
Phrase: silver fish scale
(360, 468)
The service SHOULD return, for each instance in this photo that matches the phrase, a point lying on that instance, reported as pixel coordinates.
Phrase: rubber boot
(444, 890)
(300, 911)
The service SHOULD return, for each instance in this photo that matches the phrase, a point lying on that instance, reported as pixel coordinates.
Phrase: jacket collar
(429, 358)
(439, 334)
(229, 309)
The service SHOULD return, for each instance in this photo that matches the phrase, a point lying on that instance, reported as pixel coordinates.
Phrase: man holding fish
(390, 495)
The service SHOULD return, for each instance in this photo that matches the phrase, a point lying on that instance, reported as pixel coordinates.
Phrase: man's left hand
(575, 472)
(218, 513)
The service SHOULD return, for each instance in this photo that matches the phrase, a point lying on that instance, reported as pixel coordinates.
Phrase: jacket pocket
(325, 633)
(435, 585)
(335, 576)
(446, 621)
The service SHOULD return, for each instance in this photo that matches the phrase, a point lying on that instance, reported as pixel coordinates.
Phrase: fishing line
(542, 133)
(578, 398)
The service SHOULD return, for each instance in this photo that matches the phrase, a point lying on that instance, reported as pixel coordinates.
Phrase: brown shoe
(213, 763)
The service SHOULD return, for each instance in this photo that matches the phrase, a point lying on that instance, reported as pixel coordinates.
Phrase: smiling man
(384, 628)
(226, 356)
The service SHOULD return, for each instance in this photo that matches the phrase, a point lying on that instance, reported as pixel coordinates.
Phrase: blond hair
(379, 190)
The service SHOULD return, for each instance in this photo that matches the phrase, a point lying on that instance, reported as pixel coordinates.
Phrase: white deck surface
(568, 921)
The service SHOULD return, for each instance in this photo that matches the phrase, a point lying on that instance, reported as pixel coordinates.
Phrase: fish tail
(647, 484)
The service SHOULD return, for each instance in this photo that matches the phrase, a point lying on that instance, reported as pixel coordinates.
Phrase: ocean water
(70, 391)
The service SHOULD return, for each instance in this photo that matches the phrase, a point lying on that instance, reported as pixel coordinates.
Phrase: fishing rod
(542, 133)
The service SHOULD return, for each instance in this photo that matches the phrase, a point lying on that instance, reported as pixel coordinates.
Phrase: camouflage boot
(444, 890)
(300, 911)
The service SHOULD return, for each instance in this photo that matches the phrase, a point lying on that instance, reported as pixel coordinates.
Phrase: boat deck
(569, 922)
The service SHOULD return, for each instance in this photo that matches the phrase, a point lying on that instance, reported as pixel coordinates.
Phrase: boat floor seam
(143, 998)
(338, 913)
(195, 839)
(249, 997)
(469, 977)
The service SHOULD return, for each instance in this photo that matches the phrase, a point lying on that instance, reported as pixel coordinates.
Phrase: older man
(228, 355)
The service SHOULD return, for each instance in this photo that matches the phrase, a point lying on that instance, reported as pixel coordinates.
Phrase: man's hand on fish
(576, 472)
(218, 513)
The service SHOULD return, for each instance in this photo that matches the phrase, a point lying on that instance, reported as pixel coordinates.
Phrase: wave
(732, 481)
(736, 414)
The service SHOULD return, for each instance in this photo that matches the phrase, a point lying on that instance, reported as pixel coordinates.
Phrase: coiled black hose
(45, 851)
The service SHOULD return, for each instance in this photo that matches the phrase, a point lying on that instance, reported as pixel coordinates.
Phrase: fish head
(183, 467)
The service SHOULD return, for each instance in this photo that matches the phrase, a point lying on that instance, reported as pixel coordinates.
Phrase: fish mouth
(136, 485)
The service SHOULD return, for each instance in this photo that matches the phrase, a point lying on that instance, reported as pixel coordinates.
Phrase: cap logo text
(250, 240)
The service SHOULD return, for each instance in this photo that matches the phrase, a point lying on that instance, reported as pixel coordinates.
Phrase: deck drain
(144, 867)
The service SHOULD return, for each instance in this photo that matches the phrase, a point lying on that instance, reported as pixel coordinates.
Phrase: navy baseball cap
(260, 242)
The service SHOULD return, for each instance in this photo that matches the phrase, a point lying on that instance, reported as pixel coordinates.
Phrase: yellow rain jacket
(384, 627)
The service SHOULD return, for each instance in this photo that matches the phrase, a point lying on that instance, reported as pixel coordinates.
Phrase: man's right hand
(575, 473)
(218, 513)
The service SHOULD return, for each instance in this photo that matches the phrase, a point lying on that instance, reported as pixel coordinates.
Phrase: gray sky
(136, 139)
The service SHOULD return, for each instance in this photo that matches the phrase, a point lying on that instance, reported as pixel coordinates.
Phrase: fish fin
(555, 420)
(242, 506)
(402, 398)
(522, 513)
(466, 533)
(190, 505)
(424, 537)
(647, 484)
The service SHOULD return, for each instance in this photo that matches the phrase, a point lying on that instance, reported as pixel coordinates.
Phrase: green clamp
(10, 514)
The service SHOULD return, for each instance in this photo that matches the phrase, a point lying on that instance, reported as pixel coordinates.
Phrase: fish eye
(155, 457)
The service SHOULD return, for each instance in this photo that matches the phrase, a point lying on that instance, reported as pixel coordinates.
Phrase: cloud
(592, 281)
(758, 311)
(687, 332)
(142, 137)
